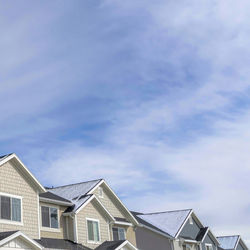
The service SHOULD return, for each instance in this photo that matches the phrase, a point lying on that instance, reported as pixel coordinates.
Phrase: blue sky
(153, 96)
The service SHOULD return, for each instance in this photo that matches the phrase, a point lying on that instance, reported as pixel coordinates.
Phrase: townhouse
(89, 215)
(232, 242)
(173, 230)
(86, 215)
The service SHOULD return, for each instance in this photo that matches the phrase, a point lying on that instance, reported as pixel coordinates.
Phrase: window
(93, 230)
(209, 247)
(100, 192)
(118, 233)
(186, 247)
(49, 217)
(10, 208)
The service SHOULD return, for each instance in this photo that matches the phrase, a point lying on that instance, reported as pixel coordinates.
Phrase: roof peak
(72, 184)
(235, 235)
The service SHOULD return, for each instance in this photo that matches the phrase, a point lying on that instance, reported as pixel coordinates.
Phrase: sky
(152, 96)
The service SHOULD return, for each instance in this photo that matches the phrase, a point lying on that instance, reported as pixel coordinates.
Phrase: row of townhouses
(89, 215)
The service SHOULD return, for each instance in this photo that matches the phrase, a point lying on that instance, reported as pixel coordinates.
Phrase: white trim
(13, 222)
(99, 231)
(12, 156)
(75, 228)
(20, 234)
(47, 200)
(126, 242)
(208, 245)
(183, 224)
(99, 203)
(118, 199)
(125, 232)
(38, 216)
(50, 229)
(123, 223)
(213, 236)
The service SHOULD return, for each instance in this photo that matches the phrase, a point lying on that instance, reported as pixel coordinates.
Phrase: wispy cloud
(152, 96)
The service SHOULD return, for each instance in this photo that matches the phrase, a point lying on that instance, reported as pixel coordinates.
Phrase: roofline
(156, 231)
(183, 224)
(14, 156)
(17, 234)
(125, 243)
(121, 203)
(52, 201)
(72, 184)
(87, 202)
(168, 211)
(213, 236)
(238, 240)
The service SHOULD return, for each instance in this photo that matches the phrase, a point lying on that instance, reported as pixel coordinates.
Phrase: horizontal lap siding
(13, 182)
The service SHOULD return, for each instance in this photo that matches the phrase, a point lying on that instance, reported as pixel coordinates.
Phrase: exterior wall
(148, 240)
(70, 228)
(109, 202)
(54, 233)
(178, 245)
(240, 247)
(130, 233)
(208, 240)
(91, 211)
(13, 182)
(190, 230)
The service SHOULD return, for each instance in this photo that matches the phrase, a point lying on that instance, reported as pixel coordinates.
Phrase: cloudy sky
(153, 96)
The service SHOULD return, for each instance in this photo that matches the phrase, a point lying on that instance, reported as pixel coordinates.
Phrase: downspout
(74, 227)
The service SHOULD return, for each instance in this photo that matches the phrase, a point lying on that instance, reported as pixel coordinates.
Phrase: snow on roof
(228, 242)
(169, 221)
(76, 193)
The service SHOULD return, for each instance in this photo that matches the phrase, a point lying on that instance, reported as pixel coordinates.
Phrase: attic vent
(191, 220)
(100, 192)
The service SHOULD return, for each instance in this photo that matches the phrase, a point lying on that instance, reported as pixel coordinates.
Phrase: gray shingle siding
(208, 240)
(190, 230)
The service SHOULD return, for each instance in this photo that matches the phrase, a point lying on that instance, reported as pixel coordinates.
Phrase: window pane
(16, 209)
(5, 208)
(45, 217)
(53, 217)
(96, 231)
(90, 230)
(121, 232)
(115, 233)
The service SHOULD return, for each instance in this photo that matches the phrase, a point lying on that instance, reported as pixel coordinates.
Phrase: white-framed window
(119, 233)
(100, 192)
(191, 220)
(50, 218)
(93, 227)
(186, 247)
(10, 208)
(209, 246)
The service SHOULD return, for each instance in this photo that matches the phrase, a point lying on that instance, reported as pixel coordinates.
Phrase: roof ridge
(75, 184)
(234, 235)
(170, 211)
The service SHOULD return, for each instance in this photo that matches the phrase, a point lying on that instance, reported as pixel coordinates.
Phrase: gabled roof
(75, 193)
(202, 233)
(50, 243)
(149, 226)
(228, 242)
(115, 245)
(17, 162)
(6, 237)
(80, 193)
(169, 222)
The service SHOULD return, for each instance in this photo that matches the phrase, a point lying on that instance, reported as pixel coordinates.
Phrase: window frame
(99, 231)
(41, 219)
(209, 245)
(13, 222)
(125, 232)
